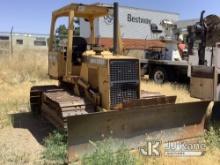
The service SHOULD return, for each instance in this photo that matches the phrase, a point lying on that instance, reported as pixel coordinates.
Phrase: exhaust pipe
(203, 36)
(115, 30)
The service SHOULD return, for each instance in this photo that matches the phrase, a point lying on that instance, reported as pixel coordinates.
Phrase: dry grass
(17, 75)
(26, 69)
(18, 147)
(169, 89)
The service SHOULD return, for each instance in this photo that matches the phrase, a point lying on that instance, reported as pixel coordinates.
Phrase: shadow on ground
(38, 126)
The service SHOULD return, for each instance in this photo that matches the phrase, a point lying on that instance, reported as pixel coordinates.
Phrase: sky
(34, 16)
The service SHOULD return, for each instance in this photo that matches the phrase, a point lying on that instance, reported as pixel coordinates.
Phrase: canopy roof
(82, 10)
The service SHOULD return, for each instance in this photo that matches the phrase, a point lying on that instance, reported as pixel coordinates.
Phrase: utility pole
(12, 28)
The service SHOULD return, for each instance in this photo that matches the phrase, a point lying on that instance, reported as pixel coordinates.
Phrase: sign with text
(138, 19)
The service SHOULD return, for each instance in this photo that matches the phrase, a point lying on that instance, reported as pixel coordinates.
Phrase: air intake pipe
(116, 43)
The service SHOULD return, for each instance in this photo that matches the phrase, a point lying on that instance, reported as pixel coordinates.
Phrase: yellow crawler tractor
(99, 91)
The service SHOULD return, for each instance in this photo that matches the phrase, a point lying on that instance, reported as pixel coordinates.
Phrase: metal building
(16, 42)
(139, 27)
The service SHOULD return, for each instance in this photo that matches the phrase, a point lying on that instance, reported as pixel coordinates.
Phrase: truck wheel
(143, 70)
(159, 75)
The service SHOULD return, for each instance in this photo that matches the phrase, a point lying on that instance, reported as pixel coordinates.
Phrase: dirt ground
(19, 145)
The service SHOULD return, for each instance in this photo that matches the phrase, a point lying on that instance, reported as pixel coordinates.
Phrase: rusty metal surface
(202, 72)
(53, 117)
(59, 104)
(149, 102)
(147, 94)
(36, 95)
(169, 122)
(67, 103)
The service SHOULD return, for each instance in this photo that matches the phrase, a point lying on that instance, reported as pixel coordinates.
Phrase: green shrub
(56, 149)
(124, 157)
(106, 154)
(212, 137)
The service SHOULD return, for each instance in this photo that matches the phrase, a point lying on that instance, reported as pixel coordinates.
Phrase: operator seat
(79, 46)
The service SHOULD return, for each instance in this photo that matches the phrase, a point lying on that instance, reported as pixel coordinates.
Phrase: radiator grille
(124, 77)
(124, 70)
(122, 91)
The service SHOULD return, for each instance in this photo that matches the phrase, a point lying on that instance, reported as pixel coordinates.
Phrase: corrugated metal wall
(136, 29)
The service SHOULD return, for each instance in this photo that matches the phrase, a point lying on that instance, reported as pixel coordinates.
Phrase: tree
(62, 31)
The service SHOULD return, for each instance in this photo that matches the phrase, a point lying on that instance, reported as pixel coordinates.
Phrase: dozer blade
(169, 122)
